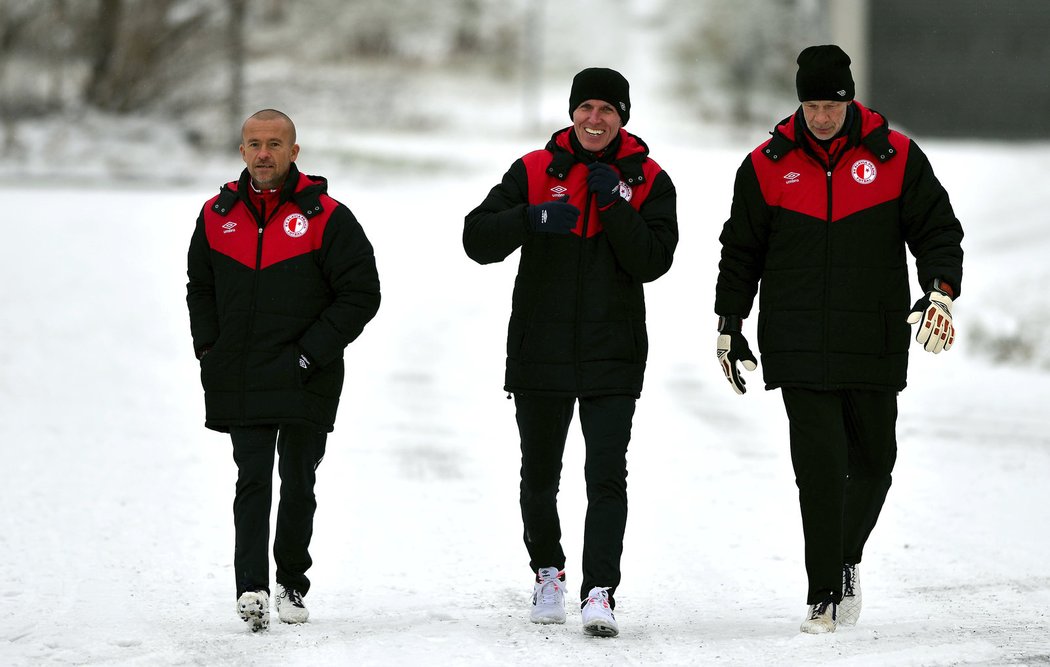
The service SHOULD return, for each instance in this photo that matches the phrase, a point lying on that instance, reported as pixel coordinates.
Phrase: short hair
(270, 114)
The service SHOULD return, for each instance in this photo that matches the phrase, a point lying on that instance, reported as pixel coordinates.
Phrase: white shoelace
(601, 599)
(549, 592)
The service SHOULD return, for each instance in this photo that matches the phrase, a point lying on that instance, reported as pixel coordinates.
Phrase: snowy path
(117, 521)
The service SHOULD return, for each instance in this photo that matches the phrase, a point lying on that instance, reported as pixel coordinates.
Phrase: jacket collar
(305, 190)
(627, 152)
(868, 128)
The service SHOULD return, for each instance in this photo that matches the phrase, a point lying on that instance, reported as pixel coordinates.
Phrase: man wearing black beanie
(595, 218)
(821, 216)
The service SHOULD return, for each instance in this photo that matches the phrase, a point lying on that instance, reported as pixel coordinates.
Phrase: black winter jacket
(263, 291)
(577, 324)
(827, 241)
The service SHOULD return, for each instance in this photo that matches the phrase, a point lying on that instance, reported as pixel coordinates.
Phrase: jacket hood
(869, 128)
(630, 154)
(296, 183)
(865, 123)
(626, 145)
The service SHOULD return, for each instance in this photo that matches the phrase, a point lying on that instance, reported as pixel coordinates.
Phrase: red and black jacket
(577, 325)
(267, 286)
(825, 232)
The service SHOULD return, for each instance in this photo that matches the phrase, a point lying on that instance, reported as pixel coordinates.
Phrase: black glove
(604, 182)
(554, 217)
(731, 348)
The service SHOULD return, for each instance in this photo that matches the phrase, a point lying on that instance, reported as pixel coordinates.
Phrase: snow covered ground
(117, 523)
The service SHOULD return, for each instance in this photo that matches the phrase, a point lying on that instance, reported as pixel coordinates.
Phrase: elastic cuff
(730, 324)
(941, 286)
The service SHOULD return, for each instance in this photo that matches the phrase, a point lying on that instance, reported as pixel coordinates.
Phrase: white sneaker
(821, 618)
(598, 619)
(254, 609)
(548, 596)
(849, 608)
(290, 607)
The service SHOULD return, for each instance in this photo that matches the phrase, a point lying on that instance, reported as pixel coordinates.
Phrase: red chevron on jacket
(544, 185)
(288, 232)
(867, 181)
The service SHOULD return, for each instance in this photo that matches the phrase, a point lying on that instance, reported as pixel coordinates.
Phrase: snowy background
(117, 520)
(117, 523)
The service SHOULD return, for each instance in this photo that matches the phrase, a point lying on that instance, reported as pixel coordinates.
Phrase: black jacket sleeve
(349, 267)
(200, 291)
(933, 233)
(744, 242)
(644, 241)
(499, 226)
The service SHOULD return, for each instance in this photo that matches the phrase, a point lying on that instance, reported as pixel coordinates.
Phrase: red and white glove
(933, 314)
(731, 348)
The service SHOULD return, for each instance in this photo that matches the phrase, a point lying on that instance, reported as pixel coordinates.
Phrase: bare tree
(235, 48)
(739, 55)
(99, 86)
(148, 50)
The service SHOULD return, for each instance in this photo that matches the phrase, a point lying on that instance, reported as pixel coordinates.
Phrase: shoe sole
(600, 629)
(547, 620)
(254, 615)
(815, 629)
(294, 620)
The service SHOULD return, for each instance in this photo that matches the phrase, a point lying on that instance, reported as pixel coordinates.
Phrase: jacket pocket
(277, 369)
(219, 368)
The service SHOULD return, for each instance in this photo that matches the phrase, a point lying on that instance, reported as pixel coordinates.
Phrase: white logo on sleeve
(296, 225)
(863, 171)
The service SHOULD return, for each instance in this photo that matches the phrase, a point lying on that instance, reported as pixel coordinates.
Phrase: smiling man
(595, 218)
(281, 280)
(822, 216)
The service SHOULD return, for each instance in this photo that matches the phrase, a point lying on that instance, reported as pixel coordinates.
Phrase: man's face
(268, 151)
(824, 117)
(596, 123)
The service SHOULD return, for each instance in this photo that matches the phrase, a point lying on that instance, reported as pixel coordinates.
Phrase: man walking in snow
(595, 219)
(281, 280)
(821, 215)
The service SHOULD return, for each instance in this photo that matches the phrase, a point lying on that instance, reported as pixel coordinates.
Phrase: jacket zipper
(577, 329)
(829, 170)
(262, 222)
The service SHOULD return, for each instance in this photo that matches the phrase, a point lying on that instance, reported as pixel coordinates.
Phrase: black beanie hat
(601, 83)
(823, 74)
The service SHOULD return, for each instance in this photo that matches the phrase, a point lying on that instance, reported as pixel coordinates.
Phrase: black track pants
(300, 450)
(843, 447)
(543, 423)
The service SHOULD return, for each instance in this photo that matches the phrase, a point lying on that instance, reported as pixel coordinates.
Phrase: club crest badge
(863, 171)
(296, 225)
(625, 191)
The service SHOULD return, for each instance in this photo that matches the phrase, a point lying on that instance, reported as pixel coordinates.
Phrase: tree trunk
(235, 107)
(107, 33)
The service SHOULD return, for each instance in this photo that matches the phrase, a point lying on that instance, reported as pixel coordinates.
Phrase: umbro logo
(229, 227)
(791, 177)
(842, 93)
(559, 190)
